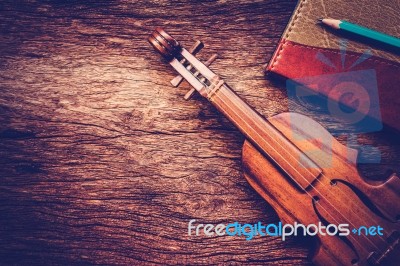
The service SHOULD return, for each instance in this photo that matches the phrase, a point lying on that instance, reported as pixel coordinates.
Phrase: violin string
(217, 95)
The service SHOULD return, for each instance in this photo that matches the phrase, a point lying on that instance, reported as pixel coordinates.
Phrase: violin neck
(263, 135)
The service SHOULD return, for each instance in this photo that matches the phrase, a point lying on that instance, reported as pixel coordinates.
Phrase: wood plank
(103, 161)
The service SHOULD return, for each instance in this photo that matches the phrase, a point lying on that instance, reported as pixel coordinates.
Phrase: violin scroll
(166, 45)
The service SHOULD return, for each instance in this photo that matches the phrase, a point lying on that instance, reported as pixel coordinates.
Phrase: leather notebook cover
(349, 70)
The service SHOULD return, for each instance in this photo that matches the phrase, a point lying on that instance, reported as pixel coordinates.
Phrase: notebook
(350, 72)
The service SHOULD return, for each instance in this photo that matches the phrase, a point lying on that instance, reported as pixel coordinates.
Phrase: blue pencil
(362, 31)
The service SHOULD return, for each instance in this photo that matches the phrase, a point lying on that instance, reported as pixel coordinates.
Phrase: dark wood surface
(103, 162)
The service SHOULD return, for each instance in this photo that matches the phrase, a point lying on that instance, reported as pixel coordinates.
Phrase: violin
(300, 169)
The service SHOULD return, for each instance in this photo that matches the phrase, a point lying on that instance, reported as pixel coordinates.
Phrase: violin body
(348, 195)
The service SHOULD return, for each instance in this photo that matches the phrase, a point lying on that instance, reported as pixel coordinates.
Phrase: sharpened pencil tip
(319, 20)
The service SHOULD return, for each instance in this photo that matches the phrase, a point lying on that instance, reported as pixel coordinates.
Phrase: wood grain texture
(103, 162)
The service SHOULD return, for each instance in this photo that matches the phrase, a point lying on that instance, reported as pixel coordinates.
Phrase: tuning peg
(196, 47)
(210, 60)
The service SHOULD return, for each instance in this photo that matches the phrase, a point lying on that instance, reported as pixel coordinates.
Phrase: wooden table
(103, 162)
